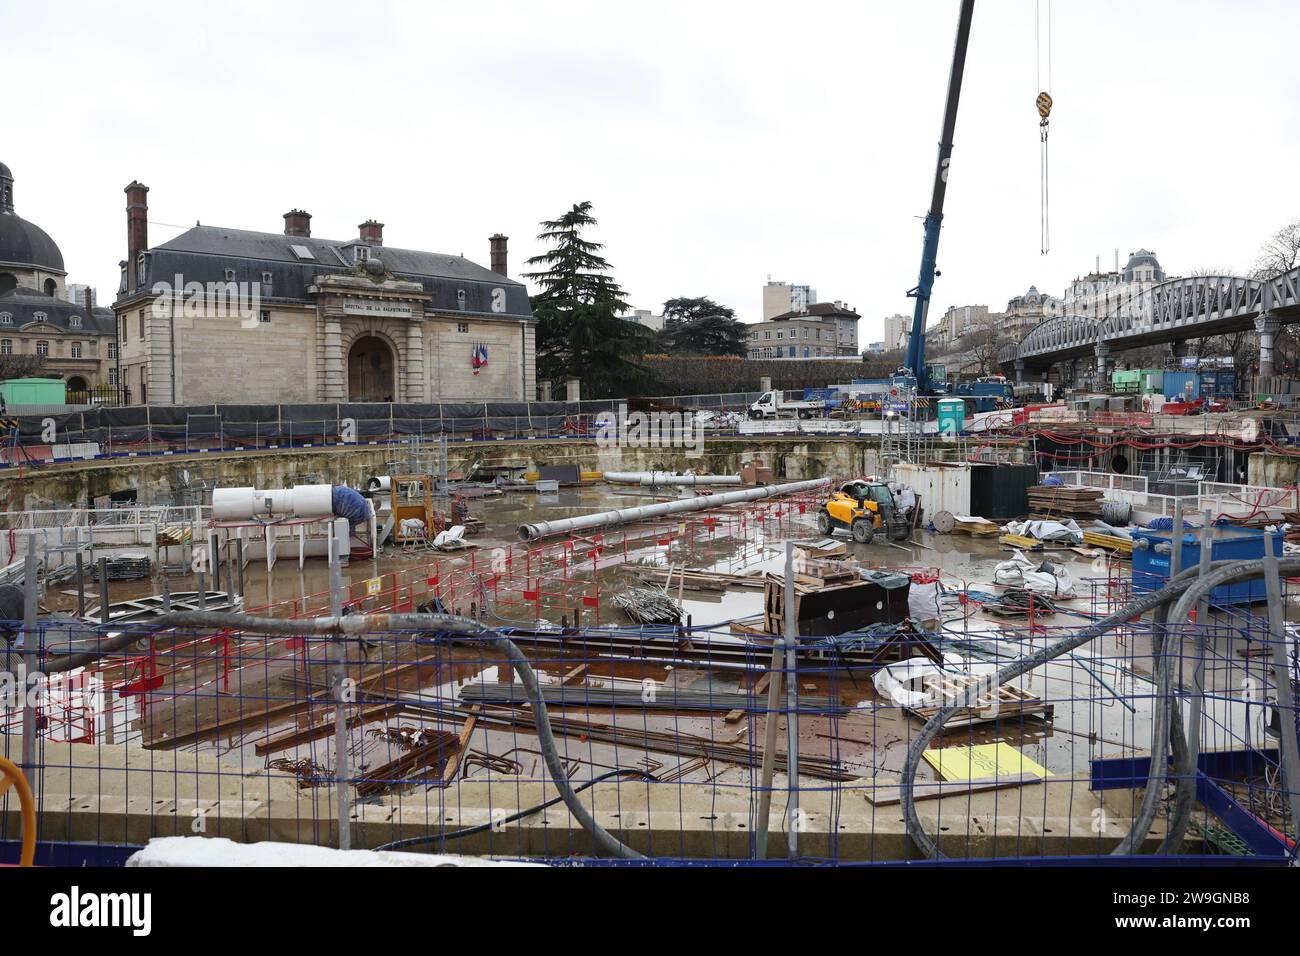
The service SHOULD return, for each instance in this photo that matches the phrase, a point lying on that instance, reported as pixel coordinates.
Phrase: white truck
(778, 404)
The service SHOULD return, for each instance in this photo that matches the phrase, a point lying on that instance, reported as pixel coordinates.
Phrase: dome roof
(23, 243)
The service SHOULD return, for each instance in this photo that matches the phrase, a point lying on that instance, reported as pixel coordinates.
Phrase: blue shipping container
(1151, 566)
(1182, 386)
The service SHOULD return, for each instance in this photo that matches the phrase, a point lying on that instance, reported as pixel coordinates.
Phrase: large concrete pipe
(608, 519)
(652, 478)
(301, 501)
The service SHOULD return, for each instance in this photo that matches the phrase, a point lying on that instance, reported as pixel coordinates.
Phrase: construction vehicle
(863, 508)
(779, 404)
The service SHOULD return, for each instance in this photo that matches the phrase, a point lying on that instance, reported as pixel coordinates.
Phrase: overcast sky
(720, 142)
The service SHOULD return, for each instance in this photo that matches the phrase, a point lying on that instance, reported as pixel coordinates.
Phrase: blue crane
(914, 367)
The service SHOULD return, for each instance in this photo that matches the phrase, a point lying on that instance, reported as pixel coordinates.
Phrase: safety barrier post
(341, 795)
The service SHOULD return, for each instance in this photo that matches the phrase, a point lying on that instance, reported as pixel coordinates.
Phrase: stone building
(1024, 312)
(823, 330)
(74, 339)
(232, 315)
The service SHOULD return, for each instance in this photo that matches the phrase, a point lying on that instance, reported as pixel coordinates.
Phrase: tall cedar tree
(701, 327)
(579, 333)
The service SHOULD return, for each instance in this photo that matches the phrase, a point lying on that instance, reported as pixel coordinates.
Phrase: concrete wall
(79, 483)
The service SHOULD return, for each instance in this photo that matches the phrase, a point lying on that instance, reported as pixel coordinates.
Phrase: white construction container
(943, 487)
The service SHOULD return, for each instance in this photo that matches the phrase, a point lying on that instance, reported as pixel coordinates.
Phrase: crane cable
(1044, 104)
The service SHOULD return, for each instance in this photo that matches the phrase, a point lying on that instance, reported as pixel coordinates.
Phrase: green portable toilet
(1124, 380)
(1153, 381)
(952, 416)
(33, 391)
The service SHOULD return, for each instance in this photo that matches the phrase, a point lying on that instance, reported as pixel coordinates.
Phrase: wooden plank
(759, 687)
(453, 762)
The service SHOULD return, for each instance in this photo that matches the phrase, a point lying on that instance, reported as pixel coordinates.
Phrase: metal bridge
(1172, 311)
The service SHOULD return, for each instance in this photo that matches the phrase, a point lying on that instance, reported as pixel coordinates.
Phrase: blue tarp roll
(349, 504)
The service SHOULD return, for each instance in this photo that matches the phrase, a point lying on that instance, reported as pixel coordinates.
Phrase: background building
(1098, 294)
(73, 340)
(897, 329)
(655, 323)
(782, 297)
(221, 315)
(1028, 310)
(824, 330)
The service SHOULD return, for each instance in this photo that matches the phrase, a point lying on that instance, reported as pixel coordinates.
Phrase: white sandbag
(923, 601)
(454, 533)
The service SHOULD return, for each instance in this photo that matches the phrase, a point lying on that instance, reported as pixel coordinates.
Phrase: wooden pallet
(1012, 702)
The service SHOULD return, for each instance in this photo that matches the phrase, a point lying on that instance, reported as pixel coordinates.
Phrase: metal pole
(792, 707)
(31, 656)
(104, 614)
(1202, 642)
(239, 564)
(81, 585)
(341, 794)
(1286, 702)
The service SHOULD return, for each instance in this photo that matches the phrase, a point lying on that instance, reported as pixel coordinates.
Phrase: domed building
(41, 332)
(1026, 311)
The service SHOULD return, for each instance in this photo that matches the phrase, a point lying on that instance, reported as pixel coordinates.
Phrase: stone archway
(77, 384)
(372, 371)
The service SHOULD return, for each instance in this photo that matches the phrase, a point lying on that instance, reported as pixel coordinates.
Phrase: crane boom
(915, 361)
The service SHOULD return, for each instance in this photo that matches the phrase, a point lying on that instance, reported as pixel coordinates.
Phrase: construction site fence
(1220, 499)
(420, 735)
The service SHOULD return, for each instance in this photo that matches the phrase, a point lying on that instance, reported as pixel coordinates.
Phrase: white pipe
(301, 501)
(668, 478)
(608, 519)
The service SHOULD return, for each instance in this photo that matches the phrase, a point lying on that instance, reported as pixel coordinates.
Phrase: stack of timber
(1005, 703)
(1111, 542)
(821, 572)
(698, 579)
(1062, 501)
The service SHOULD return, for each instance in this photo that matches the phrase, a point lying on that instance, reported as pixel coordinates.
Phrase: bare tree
(1281, 253)
(984, 341)
(20, 366)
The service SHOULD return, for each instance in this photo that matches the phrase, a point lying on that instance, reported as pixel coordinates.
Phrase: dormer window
(460, 298)
(230, 275)
(74, 322)
(140, 271)
(38, 316)
(360, 254)
(6, 318)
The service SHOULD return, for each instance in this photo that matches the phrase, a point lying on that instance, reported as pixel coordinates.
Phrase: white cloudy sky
(721, 142)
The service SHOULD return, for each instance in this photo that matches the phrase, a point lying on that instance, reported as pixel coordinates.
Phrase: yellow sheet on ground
(982, 762)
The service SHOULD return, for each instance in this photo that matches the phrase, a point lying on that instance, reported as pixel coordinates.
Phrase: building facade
(69, 340)
(1100, 294)
(782, 297)
(1026, 311)
(655, 323)
(898, 328)
(231, 315)
(824, 330)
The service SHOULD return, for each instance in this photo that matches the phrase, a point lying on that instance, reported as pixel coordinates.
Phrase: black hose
(1167, 725)
(352, 627)
(484, 827)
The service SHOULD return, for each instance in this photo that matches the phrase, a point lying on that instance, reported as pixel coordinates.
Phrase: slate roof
(23, 304)
(819, 310)
(205, 253)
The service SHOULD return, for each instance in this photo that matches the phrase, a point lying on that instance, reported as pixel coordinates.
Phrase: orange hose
(10, 774)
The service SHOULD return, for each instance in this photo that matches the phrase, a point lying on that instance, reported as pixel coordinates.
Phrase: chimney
(498, 246)
(88, 299)
(137, 227)
(372, 232)
(297, 223)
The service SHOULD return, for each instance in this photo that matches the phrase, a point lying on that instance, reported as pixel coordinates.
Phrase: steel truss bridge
(1173, 311)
